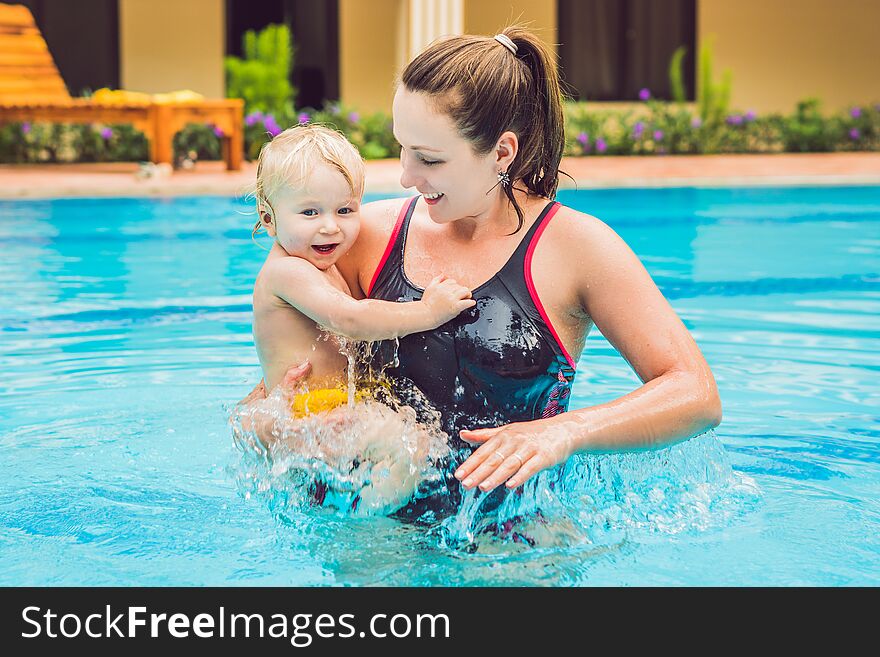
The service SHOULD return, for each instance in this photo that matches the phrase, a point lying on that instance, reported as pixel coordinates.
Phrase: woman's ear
(506, 150)
(267, 221)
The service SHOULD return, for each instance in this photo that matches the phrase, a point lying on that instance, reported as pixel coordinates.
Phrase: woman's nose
(407, 179)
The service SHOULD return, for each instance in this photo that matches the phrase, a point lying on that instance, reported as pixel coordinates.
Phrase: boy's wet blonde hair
(293, 154)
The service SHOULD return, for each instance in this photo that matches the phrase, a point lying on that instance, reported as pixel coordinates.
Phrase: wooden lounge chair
(31, 89)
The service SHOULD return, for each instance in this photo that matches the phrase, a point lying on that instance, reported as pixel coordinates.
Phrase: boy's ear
(267, 221)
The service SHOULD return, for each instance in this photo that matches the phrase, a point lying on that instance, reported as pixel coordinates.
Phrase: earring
(504, 178)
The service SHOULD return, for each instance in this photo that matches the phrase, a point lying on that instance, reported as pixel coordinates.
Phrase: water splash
(378, 454)
(364, 458)
(608, 499)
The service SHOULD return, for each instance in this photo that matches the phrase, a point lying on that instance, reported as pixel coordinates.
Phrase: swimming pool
(125, 328)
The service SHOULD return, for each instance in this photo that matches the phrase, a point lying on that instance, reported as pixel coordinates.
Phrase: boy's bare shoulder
(286, 270)
(286, 265)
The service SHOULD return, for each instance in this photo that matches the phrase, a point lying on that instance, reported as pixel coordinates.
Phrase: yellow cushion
(320, 401)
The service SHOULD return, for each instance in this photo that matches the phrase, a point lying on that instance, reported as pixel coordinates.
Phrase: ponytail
(488, 89)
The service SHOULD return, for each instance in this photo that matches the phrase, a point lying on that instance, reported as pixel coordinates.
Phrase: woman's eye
(311, 212)
(428, 163)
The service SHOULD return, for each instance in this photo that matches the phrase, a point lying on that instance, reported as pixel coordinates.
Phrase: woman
(480, 124)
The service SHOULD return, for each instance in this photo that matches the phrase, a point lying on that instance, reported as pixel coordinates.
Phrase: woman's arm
(679, 398)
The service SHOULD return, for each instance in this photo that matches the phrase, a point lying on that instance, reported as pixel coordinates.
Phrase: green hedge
(650, 128)
(656, 128)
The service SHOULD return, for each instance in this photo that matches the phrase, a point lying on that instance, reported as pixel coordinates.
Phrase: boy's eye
(346, 210)
(311, 212)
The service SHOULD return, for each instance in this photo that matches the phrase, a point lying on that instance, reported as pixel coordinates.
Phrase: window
(83, 38)
(314, 30)
(610, 49)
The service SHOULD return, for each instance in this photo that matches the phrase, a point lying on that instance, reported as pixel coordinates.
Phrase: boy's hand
(445, 298)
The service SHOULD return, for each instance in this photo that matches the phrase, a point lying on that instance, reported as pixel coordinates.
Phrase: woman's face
(437, 160)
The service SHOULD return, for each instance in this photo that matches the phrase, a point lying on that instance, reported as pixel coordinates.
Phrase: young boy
(309, 184)
(310, 180)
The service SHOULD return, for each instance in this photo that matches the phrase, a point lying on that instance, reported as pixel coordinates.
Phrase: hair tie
(506, 41)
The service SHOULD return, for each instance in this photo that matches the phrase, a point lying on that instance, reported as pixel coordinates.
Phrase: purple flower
(734, 119)
(658, 135)
(644, 94)
(253, 118)
(638, 129)
(25, 128)
(750, 116)
(854, 133)
(107, 133)
(583, 139)
(303, 118)
(601, 146)
(271, 126)
(218, 131)
(696, 122)
(354, 117)
(855, 112)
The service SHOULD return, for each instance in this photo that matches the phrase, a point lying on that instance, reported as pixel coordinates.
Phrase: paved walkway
(210, 178)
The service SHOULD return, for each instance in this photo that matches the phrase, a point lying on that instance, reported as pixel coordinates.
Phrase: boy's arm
(300, 284)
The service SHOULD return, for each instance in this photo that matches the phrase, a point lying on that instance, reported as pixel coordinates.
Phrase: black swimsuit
(498, 362)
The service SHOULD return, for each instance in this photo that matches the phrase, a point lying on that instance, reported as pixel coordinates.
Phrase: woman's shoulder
(585, 239)
(380, 216)
(377, 219)
(578, 227)
(597, 248)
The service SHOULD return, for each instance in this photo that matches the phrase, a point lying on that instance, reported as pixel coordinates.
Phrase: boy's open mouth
(325, 249)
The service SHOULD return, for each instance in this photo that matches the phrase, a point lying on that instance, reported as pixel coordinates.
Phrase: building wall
(492, 16)
(165, 45)
(368, 44)
(781, 51)
(374, 40)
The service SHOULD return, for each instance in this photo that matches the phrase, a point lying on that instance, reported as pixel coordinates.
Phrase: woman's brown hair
(487, 89)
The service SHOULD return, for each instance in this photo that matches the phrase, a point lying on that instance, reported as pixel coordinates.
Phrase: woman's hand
(512, 453)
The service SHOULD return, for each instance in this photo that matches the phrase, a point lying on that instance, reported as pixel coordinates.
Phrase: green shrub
(652, 128)
(859, 128)
(676, 75)
(370, 133)
(807, 131)
(203, 141)
(667, 128)
(262, 76)
(713, 98)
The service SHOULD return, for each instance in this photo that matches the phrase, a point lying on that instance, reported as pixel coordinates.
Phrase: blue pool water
(125, 338)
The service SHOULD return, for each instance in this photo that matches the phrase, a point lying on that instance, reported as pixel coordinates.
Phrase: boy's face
(318, 221)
